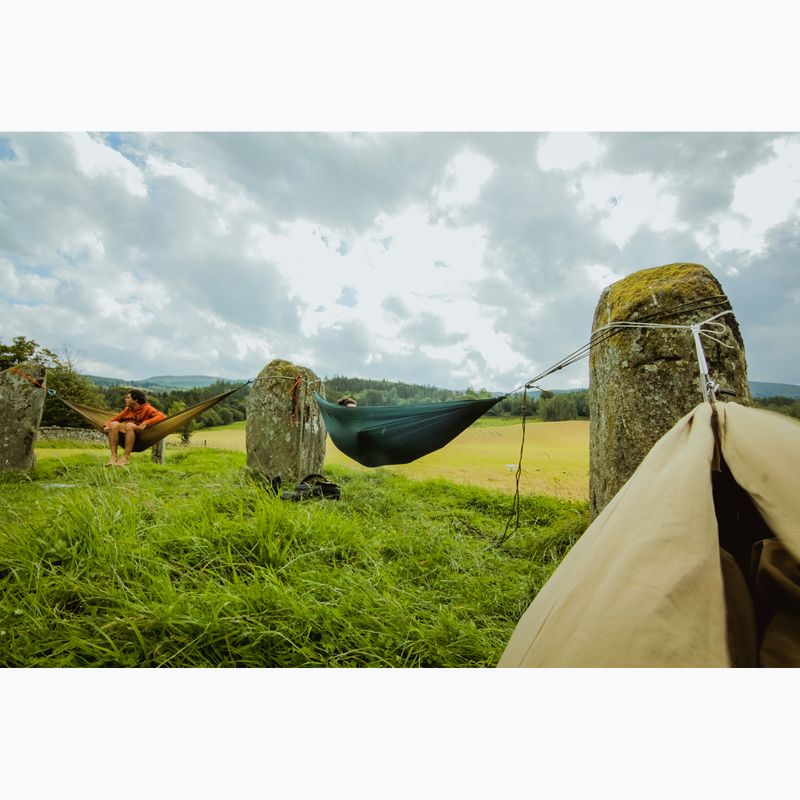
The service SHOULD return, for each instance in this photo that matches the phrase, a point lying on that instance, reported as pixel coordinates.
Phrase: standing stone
(285, 433)
(644, 380)
(21, 406)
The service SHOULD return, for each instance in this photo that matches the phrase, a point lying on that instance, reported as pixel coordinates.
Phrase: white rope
(708, 327)
(718, 326)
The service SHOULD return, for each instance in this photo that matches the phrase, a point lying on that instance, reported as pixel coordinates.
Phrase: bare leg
(130, 438)
(113, 441)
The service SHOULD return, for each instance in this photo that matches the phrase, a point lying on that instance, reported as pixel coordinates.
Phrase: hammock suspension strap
(37, 382)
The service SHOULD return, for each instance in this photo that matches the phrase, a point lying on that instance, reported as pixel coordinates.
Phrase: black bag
(313, 486)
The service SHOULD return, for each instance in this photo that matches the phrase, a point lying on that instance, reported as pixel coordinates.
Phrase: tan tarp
(643, 586)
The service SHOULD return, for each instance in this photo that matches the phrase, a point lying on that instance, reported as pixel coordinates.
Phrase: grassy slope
(193, 565)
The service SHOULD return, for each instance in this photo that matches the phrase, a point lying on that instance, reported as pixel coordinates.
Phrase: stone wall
(78, 434)
(643, 381)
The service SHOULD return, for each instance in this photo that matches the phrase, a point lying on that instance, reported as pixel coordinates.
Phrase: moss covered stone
(21, 406)
(644, 380)
(285, 433)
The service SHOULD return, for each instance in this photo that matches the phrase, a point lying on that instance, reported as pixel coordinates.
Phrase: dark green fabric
(379, 435)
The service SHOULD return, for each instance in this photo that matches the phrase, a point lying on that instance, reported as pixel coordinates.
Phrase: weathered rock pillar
(643, 380)
(21, 406)
(285, 433)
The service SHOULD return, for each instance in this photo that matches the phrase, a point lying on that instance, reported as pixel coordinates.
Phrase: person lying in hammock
(128, 425)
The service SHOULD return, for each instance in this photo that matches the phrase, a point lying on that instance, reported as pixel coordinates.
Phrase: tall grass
(194, 564)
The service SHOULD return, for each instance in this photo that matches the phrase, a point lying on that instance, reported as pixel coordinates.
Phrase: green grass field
(193, 564)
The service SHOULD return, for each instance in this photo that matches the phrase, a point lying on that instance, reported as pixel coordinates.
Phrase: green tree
(226, 414)
(582, 402)
(557, 408)
(66, 381)
(22, 350)
(210, 418)
(189, 428)
(789, 406)
(62, 377)
(373, 397)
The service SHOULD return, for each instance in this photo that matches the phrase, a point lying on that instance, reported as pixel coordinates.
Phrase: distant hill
(187, 381)
(758, 389)
(761, 389)
(163, 382)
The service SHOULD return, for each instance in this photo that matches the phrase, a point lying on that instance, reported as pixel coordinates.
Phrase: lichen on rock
(21, 406)
(644, 380)
(285, 434)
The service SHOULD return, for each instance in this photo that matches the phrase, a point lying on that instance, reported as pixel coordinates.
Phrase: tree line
(64, 378)
(550, 406)
(66, 381)
(790, 406)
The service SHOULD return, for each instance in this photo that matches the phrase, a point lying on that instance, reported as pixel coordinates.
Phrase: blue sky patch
(114, 140)
(348, 297)
(121, 142)
(6, 150)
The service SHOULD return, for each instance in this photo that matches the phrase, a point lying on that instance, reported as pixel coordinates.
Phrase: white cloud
(762, 199)
(464, 176)
(8, 278)
(25, 287)
(567, 151)
(191, 178)
(601, 275)
(80, 246)
(95, 159)
(130, 301)
(622, 203)
(317, 273)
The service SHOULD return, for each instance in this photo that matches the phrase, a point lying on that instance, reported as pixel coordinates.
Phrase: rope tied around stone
(709, 388)
(284, 378)
(294, 394)
(605, 332)
(37, 382)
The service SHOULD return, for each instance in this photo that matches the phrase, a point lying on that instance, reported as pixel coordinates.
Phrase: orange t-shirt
(145, 413)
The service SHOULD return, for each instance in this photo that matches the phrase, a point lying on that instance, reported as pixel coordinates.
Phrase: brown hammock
(152, 433)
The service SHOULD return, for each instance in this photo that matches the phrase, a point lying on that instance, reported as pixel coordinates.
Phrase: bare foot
(112, 463)
(123, 462)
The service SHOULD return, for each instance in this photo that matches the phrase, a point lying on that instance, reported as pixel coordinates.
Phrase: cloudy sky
(442, 258)
(454, 259)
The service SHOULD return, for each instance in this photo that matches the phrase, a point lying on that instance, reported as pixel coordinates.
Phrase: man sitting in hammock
(129, 424)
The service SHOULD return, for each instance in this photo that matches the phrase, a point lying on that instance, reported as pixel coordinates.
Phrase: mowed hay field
(555, 459)
(555, 463)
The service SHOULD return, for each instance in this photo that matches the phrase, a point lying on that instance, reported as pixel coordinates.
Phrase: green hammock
(152, 433)
(379, 435)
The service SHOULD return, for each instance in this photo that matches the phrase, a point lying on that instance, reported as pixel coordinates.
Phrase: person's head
(347, 402)
(135, 396)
